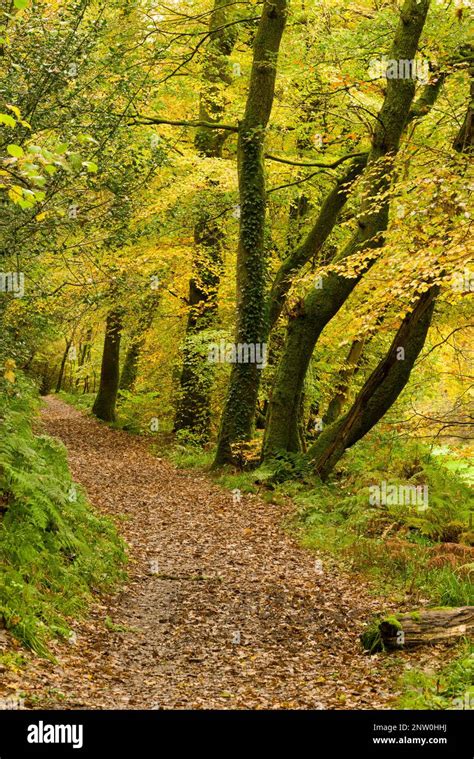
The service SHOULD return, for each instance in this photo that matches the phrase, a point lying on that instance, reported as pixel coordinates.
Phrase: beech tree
(321, 305)
(193, 412)
(239, 411)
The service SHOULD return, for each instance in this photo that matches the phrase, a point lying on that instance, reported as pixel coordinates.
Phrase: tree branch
(148, 120)
(332, 165)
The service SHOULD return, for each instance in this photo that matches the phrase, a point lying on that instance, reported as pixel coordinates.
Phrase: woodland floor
(203, 571)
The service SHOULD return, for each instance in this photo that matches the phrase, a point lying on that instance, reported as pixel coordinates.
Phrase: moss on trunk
(381, 389)
(238, 417)
(321, 305)
(193, 405)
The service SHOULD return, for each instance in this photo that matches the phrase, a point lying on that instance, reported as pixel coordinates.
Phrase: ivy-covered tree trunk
(130, 365)
(104, 405)
(238, 417)
(313, 313)
(381, 389)
(193, 409)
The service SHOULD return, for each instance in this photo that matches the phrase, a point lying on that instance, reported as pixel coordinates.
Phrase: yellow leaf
(15, 193)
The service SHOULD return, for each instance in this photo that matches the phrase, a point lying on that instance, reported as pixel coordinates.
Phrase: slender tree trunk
(311, 316)
(84, 353)
(345, 376)
(104, 405)
(62, 366)
(381, 389)
(137, 341)
(238, 417)
(332, 205)
(193, 408)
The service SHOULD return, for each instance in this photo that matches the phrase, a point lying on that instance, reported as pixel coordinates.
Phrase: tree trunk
(137, 341)
(59, 382)
(464, 141)
(238, 417)
(309, 319)
(85, 351)
(104, 405)
(193, 409)
(130, 364)
(419, 628)
(345, 376)
(380, 390)
(332, 205)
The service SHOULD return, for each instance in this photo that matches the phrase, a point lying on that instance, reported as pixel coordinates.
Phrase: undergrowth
(448, 687)
(55, 552)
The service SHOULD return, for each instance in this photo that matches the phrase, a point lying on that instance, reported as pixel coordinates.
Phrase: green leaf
(91, 166)
(15, 110)
(25, 204)
(7, 120)
(20, 4)
(15, 150)
(39, 181)
(75, 160)
(29, 168)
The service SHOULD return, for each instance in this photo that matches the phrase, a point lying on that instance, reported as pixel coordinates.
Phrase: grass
(82, 402)
(448, 687)
(55, 551)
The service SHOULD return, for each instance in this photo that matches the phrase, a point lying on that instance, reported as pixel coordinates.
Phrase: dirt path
(222, 609)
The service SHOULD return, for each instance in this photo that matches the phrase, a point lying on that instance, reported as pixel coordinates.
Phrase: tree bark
(419, 628)
(345, 376)
(193, 408)
(104, 405)
(137, 341)
(62, 366)
(332, 205)
(309, 319)
(238, 417)
(381, 389)
(464, 141)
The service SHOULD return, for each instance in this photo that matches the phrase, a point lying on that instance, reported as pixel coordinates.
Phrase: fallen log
(419, 628)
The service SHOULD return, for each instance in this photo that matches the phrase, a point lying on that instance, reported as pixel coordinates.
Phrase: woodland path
(222, 608)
